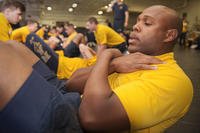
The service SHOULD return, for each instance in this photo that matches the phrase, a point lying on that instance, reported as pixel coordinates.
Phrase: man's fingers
(145, 67)
(155, 61)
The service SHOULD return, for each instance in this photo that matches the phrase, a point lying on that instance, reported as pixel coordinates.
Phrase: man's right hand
(134, 62)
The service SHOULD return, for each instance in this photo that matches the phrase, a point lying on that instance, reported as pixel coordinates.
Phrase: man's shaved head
(171, 19)
(156, 31)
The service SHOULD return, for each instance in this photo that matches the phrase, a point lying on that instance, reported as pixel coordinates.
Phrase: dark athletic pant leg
(118, 25)
(43, 51)
(39, 108)
(72, 50)
(50, 76)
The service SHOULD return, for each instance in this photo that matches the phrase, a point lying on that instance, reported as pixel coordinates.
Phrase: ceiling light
(109, 5)
(106, 7)
(70, 9)
(100, 12)
(74, 5)
(49, 8)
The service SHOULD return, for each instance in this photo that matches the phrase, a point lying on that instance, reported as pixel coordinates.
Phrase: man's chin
(133, 49)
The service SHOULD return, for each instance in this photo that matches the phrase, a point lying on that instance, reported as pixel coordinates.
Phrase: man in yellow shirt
(131, 100)
(182, 39)
(57, 61)
(105, 36)
(71, 32)
(11, 13)
(144, 101)
(20, 34)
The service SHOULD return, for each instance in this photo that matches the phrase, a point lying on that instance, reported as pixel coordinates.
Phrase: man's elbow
(88, 122)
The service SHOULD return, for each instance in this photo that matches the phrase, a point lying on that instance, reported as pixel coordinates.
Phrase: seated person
(31, 103)
(144, 100)
(58, 62)
(42, 32)
(71, 32)
(20, 34)
(136, 100)
(105, 36)
(11, 13)
(34, 102)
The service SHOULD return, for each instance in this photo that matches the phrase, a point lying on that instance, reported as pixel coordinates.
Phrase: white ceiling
(90, 7)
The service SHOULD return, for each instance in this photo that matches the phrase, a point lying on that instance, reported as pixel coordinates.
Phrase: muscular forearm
(98, 99)
(78, 79)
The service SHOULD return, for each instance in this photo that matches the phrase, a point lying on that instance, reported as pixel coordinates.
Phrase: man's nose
(136, 27)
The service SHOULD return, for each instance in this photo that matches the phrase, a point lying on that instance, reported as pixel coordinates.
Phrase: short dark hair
(70, 25)
(32, 21)
(93, 20)
(13, 4)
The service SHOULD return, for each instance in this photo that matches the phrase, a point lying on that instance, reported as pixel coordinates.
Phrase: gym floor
(189, 60)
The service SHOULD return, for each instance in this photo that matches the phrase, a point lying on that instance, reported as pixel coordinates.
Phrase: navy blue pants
(46, 54)
(122, 47)
(49, 76)
(40, 108)
(43, 51)
(118, 25)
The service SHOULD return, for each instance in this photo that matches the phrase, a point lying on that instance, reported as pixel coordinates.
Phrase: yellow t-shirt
(40, 33)
(185, 26)
(154, 99)
(70, 38)
(106, 36)
(67, 66)
(5, 28)
(20, 34)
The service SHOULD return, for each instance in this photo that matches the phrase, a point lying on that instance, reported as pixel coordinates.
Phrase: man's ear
(7, 11)
(171, 35)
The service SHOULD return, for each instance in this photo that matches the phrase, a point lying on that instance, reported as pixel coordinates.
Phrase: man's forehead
(153, 13)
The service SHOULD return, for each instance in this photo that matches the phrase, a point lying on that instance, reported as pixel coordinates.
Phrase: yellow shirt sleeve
(40, 33)
(101, 37)
(5, 29)
(20, 34)
(67, 66)
(106, 36)
(16, 35)
(70, 38)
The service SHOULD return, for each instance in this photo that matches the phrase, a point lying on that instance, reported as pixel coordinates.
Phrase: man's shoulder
(3, 20)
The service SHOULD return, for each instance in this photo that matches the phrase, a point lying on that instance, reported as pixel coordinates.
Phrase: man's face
(33, 27)
(90, 26)
(14, 16)
(69, 30)
(148, 33)
(59, 29)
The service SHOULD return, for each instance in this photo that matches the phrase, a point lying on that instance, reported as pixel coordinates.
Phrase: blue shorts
(72, 50)
(40, 108)
(50, 76)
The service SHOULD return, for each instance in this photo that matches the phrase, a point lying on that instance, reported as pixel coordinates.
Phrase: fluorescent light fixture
(70, 9)
(100, 12)
(49, 8)
(74, 5)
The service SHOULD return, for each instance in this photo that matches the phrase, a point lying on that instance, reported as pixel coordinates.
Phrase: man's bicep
(107, 115)
(119, 114)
